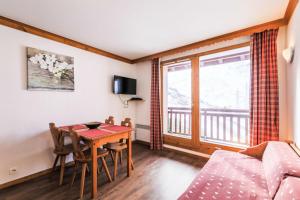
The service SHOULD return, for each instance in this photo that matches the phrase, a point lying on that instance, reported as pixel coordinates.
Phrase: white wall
(144, 83)
(281, 43)
(25, 142)
(293, 77)
(143, 71)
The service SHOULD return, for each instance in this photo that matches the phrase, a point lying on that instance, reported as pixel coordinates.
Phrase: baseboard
(48, 171)
(32, 176)
(182, 151)
(185, 152)
(141, 142)
(69, 164)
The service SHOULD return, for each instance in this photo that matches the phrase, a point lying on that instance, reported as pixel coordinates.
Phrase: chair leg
(62, 169)
(106, 169)
(132, 165)
(121, 157)
(116, 165)
(74, 173)
(112, 156)
(88, 169)
(100, 169)
(55, 163)
(84, 165)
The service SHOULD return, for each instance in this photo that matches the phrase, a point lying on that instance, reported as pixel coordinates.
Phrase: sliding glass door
(224, 97)
(206, 100)
(178, 99)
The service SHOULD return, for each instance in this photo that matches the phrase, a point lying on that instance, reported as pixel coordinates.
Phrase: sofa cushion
(289, 189)
(279, 160)
(229, 175)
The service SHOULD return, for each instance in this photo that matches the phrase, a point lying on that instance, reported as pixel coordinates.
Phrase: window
(179, 96)
(206, 99)
(224, 96)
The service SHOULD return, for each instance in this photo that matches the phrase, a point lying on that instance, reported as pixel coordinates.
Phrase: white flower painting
(49, 71)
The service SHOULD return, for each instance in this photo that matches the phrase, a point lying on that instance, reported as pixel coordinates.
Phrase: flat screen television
(123, 85)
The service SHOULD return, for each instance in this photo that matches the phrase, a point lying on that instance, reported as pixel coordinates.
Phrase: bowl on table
(93, 125)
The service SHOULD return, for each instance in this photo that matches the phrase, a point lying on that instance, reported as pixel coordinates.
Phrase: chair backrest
(110, 120)
(56, 136)
(126, 123)
(77, 151)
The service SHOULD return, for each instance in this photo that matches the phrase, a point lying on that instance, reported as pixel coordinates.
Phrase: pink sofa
(230, 175)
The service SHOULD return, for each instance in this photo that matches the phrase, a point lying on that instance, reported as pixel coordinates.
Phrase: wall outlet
(12, 171)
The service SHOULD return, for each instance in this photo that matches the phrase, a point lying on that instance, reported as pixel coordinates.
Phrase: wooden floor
(157, 176)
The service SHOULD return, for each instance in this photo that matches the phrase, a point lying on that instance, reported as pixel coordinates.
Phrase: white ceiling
(136, 28)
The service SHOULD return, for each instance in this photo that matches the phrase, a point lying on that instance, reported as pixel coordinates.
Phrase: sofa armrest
(255, 151)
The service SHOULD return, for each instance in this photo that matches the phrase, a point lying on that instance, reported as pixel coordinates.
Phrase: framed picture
(49, 71)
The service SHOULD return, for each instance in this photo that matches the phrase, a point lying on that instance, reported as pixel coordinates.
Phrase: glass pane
(224, 97)
(178, 99)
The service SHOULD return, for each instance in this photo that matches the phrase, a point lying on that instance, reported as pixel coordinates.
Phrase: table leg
(94, 170)
(129, 157)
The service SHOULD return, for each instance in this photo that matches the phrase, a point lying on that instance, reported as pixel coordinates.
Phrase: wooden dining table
(96, 138)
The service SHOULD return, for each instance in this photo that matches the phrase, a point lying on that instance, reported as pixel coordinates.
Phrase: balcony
(224, 126)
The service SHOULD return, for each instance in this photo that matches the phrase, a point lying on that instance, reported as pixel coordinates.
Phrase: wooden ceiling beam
(188, 57)
(45, 34)
(229, 36)
(244, 32)
(290, 10)
(221, 38)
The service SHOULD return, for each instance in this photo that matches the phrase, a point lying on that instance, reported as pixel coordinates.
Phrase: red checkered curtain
(264, 105)
(155, 118)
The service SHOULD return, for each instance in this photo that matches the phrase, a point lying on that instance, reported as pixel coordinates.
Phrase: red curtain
(264, 105)
(155, 116)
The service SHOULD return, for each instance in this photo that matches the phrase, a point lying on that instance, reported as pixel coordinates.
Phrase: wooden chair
(83, 157)
(110, 120)
(117, 148)
(60, 149)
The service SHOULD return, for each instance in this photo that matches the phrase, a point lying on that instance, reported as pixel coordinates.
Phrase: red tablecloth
(104, 129)
(75, 127)
(116, 128)
(94, 133)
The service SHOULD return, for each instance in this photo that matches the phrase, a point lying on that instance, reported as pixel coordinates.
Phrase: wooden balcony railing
(217, 125)
(179, 120)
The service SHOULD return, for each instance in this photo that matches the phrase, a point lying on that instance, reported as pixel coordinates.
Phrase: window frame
(195, 143)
